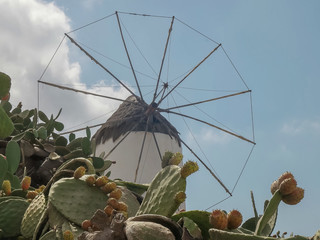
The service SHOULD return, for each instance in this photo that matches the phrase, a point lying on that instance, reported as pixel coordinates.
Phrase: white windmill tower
(136, 137)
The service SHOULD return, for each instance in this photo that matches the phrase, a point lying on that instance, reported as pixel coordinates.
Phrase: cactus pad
(160, 197)
(75, 200)
(11, 213)
(33, 215)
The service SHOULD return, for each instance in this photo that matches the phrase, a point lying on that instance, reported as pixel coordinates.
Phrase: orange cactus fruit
(188, 168)
(295, 197)
(117, 193)
(101, 181)
(6, 187)
(90, 180)
(109, 187)
(86, 224)
(25, 183)
(274, 187)
(287, 186)
(123, 207)
(180, 197)
(31, 194)
(218, 219)
(68, 235)
(176, 159)
(284, 176)
(234, 219)
(113, 203)
(79, 172)
(6, 97)
(40, 189)
(108, 210)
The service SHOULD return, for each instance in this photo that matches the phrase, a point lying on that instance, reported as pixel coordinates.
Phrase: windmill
(141, 130)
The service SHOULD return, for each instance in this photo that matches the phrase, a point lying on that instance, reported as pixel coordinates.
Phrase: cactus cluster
(78, 203)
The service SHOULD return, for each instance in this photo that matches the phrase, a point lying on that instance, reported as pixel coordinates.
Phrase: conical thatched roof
(131, 116)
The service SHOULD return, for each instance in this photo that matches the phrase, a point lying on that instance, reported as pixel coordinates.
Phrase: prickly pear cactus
(11, 214)
(166, 191)
(32, 215)
(75, 200)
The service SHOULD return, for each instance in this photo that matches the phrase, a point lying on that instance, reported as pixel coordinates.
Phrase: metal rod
(189, 73)
(141, 150)
(157, 145)
(162, 62)
(99, 64)
(209, 100)
(210, 124)
(219, 181)
(84, 92)
(125, 47)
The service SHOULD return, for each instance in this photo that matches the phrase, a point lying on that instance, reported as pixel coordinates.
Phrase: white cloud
(297, 127)
(210, 136)
(30, 33)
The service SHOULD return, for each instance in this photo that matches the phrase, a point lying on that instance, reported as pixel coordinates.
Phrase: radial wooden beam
(129, 59)
(84, 92)
(210, 124)
(103, 67)
(219, 181)
(163, 58)
(185, 77)
(208, 100)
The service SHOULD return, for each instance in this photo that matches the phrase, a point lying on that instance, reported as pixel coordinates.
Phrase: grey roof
(131, 116)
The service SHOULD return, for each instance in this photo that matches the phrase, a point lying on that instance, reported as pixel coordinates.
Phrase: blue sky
(274, 45)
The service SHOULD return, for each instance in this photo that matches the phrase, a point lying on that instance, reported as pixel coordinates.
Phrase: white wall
(127, 153)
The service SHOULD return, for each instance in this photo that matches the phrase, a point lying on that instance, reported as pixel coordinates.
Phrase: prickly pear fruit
(31, 194)
(284, 176)
(90, 180)
(25, 183)
(79, 172)
(113, 203)
(287, 186)
(101, 181)
(123, 207)
(117, 193)
(86, 224)
(234, 219)
(274, 187)
(218, 219)
(165, 159)
(68, 235)
(188, 168)
(108, 210)
(295, 197)
(109, 187)
(180, 197)
(176, 159)
(6, 187)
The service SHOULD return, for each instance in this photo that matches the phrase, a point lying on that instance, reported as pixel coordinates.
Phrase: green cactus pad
(55, 217)
(201, 218)
(32, 215)
(160, 197)
(132, 202)
(75, 200)
(11, 214)
(13, 156)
